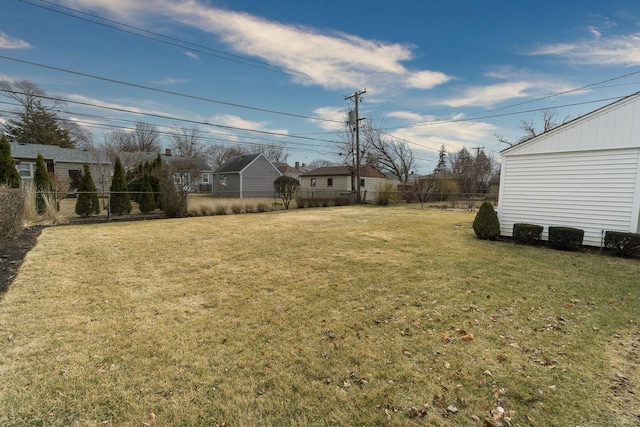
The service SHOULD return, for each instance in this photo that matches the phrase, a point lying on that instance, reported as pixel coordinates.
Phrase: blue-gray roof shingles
(52, 152)
(237, 164)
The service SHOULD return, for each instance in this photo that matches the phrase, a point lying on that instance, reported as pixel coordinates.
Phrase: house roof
(533, 140)
(365, 172)
(53, 152)
(284, 168)
(238, 163)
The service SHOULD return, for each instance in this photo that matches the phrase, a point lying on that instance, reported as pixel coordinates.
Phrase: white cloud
(433, 132)
(333, 60)
(7, 42)
(170, 81)
(192, 55)
(238, 122)
(491, 94)
(335, 114)
(601, 50)
(116, 108)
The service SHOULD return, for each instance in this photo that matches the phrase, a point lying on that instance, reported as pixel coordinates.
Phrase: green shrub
(621, 243)
(146, 199)
(486, 224)
(565, 238)
(119, 202)
(87, 202)
(9, 175)
(526, 233)
(42, 184)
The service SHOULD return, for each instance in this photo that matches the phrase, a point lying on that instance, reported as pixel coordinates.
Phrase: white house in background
(332, 181)
(584, 174)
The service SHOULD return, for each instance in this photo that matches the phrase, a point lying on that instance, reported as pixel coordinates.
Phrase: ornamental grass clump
(486, 224)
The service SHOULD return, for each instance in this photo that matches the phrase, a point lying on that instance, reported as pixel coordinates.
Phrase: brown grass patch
(341, 316)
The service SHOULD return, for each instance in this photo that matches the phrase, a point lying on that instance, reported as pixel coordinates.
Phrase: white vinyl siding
(591, 190)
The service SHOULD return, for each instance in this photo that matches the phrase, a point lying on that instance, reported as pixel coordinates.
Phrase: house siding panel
(591, 190)
(257, 179)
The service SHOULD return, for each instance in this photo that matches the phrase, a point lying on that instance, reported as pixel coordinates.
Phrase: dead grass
(341, 316)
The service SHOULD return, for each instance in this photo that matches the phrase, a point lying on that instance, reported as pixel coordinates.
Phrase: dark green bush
(87, 202)
(486, 224)
(565, 238)
(526, 233)
(621, 243)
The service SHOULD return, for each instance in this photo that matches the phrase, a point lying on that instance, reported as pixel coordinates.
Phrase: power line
(160, 116)
(167, 92)
(173, 41)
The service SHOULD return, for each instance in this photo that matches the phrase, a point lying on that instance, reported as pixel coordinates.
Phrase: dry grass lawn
(339, 316)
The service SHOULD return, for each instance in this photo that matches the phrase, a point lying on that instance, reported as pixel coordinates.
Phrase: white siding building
(584, 174)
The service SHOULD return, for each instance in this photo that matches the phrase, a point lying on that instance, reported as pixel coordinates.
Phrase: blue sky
(453, 73)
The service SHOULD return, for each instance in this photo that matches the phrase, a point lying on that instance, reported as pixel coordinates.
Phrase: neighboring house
(193, 172)
(66, 163)
(293, 172)
(332, 181)
(250, 175)
(583, 174)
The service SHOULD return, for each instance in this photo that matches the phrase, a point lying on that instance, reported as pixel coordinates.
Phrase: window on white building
(25, 170)
(313, 182)
(205, 178)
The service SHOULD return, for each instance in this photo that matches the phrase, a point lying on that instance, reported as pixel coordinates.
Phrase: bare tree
(27, 94)
(471, 172)
(274, 152)
(175, 180)
(186, 141)
(218, 154)
(549, 120)
(389, 153)
(146, 138)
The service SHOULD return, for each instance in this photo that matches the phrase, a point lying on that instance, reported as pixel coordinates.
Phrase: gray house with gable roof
(250, 175)
(66, 163)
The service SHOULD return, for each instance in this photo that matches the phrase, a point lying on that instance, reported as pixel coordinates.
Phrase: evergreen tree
(146, 199)
(486, 224)
(9, 175)
(38, 126)
(120, 201)
(88, 202)
(42, 184)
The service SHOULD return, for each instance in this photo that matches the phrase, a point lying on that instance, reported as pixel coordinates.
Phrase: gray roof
(238, 163)
(53, 152)
(365, 171)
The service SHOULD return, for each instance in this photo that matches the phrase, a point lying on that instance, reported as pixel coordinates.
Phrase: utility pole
(477, 150)
(354, 120)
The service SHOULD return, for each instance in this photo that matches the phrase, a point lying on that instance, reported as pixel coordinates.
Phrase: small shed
(250, 175)
(583, 174)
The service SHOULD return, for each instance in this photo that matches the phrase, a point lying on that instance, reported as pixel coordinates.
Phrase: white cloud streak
(334, 60)
(239, 122)
(611, 51)
(7, 42)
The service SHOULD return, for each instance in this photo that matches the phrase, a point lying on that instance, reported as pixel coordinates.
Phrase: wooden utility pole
(354, 120)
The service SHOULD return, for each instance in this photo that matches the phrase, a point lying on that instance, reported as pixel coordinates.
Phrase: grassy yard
(339, 316)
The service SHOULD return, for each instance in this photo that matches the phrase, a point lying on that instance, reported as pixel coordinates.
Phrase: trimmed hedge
(527, 233)
(621, 243)
(565, 238)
